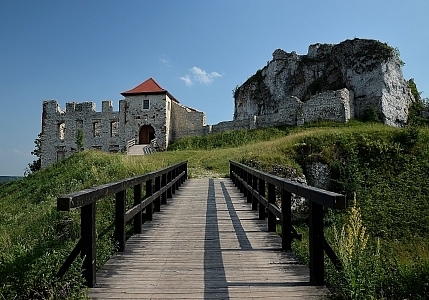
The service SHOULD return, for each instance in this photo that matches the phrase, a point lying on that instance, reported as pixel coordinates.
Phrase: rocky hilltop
(335, 82)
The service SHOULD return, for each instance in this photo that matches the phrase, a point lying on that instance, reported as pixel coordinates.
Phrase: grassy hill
(386, 168)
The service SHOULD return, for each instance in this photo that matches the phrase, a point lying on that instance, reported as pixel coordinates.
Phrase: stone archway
(146, 134)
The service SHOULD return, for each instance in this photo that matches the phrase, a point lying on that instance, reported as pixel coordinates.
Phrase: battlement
(107, 106)
(53, 107)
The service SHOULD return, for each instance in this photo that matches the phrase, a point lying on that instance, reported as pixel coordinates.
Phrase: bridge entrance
(147, 133)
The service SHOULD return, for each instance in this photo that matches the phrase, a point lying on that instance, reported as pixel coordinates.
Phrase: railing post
(287, 220)
(157, 188)
(317, 271)
(173, 176)
(245, 191)
(249, 184)
(169, 193)
(138, 219)
(164, 183)
(271, 200)
(261, 191)
(149, 207)
(231, 169)
(240, 175)
(234, 174)
(185, 168)
(120, 220)
(255, 188)
(87, 232)
(180, 181)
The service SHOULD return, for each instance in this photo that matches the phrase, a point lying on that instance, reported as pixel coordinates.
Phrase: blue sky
(197, 50)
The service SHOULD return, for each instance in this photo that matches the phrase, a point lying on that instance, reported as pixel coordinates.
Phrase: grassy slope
(34, 238)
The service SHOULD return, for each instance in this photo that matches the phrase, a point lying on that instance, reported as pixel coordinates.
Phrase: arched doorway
(147, 133)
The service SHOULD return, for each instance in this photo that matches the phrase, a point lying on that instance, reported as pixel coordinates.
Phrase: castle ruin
(332, 82)
(148, 112)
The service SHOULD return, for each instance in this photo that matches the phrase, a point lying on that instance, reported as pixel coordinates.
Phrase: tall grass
(386, 167)
(35, 239)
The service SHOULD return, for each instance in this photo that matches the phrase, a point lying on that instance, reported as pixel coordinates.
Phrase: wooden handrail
(260, 188)
(159, 185)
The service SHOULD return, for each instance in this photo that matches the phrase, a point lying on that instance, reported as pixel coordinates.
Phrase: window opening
(62, 130)
(145, 104)
(96, 128)
(114, 128)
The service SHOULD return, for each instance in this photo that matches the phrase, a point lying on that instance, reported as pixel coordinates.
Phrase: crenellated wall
(59, 129)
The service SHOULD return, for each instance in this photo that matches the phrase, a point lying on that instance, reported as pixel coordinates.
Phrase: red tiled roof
(149, 86)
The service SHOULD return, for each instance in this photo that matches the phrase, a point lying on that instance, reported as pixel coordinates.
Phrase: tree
(36, 164)
(79, 140)
(417, 107)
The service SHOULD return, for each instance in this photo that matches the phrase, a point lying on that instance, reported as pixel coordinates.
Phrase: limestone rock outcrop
(335, 82)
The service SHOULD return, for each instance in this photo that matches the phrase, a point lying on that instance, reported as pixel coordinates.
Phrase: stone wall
(60, 127)
(331, 105)
(186, 121)
(249, 123)
(336, 106)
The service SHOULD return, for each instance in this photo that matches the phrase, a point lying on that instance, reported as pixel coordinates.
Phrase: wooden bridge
(210, 239)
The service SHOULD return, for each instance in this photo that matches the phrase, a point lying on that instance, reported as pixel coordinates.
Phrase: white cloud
(187, 79)
(164, 60)
(199, 75)
(204, 77)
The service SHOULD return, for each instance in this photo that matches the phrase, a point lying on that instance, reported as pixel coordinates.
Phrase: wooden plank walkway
(206, 243)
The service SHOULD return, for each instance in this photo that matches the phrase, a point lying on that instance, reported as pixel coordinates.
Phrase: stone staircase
(141, 150)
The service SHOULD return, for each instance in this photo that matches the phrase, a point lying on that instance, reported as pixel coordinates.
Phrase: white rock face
(369, 70)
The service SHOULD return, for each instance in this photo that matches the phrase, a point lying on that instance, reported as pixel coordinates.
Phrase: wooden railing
(159, 186)
(261, 188)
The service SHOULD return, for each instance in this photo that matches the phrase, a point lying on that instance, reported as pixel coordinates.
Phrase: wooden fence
(262, 188)
(159, 186)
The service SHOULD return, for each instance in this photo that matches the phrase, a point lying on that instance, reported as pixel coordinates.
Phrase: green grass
(386, 167)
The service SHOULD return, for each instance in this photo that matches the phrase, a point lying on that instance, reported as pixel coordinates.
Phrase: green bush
(388, 172)
(370, 114)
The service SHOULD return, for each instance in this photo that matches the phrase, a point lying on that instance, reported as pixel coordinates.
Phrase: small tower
(146, 113)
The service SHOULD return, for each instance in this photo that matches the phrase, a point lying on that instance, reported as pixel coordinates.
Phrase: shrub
(370, 114)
